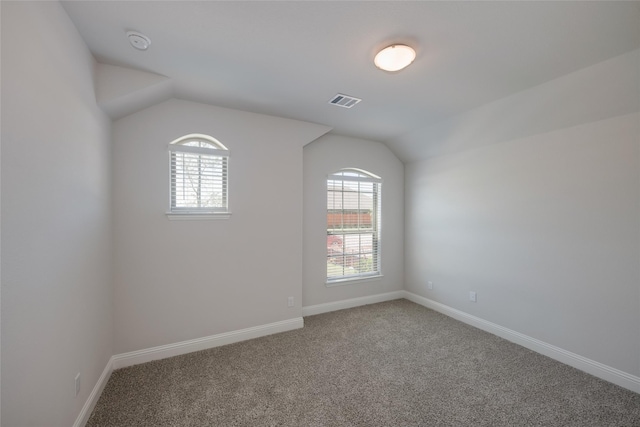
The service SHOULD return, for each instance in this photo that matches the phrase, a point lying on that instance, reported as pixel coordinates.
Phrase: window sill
(190, 216)
(350, 280)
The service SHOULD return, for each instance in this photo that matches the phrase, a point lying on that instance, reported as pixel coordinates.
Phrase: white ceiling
(289, 58)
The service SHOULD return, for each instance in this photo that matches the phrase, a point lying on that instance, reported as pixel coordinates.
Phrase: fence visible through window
(353, 225)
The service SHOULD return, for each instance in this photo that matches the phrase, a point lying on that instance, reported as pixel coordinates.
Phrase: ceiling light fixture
(395, 57)
(138, 40)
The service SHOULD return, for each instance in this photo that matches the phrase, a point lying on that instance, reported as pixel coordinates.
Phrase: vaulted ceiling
(289, 58)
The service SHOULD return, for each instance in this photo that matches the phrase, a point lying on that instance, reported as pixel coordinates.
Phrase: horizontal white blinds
(199, 178)
(353, 226)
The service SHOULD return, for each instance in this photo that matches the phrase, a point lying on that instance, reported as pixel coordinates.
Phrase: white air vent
(345, 101)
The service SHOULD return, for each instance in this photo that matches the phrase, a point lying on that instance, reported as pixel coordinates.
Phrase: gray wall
(56, 226)
(180, 280)
(540, 216)
(545, 228)
(322, 157)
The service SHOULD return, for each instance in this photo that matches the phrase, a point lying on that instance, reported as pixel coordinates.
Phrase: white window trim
(347, 280)
(197, 216)
(191, 214)
(218, 152)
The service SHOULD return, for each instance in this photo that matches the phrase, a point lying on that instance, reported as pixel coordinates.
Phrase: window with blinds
(353, 225)
(199, 175)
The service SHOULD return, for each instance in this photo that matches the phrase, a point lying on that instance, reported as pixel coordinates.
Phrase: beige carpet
(389, 364)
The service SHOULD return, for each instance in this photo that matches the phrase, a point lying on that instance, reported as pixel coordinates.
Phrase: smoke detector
(138, 40)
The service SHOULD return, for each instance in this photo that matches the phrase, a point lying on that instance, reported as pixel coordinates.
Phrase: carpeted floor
(390, 364)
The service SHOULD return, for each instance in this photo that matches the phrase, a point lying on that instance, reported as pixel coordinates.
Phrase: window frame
(212, 150)
(355, 175)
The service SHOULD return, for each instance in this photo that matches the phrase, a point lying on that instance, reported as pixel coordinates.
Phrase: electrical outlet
(291, 302)
(77, 384)
(473, 296)
(430, 285)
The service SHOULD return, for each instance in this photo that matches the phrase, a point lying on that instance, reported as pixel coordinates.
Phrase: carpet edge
(312, 310)
(92, 400)
(176, 349)
(597, 369)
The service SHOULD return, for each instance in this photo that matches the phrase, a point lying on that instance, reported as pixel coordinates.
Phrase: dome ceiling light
(395, 57)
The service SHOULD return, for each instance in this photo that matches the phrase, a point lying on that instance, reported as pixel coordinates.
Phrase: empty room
(319, 213)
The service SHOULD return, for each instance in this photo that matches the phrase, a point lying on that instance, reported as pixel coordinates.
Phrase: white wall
(607, 89)
(56, 227)
(180, 280)
(322, 157)
(545, 228)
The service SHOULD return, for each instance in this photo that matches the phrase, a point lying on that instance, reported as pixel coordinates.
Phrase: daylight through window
(353, 225)
(199, 175)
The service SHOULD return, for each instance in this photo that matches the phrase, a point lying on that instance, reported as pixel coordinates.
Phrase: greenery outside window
(353, 225)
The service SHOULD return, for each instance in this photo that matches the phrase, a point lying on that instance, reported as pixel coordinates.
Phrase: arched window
(353, 225)
(199, 175)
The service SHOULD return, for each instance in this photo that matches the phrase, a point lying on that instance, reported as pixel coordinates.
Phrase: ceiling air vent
(345, 101)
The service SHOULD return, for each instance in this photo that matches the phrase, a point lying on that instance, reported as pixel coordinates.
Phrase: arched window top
(199, 140)
(199, 167)
(354, 174)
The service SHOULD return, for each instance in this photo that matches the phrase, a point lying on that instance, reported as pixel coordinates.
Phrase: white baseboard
(312, 310)
(184, 347)
(597, 369)
(176, 349)
(592, 367)
(86, 410)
